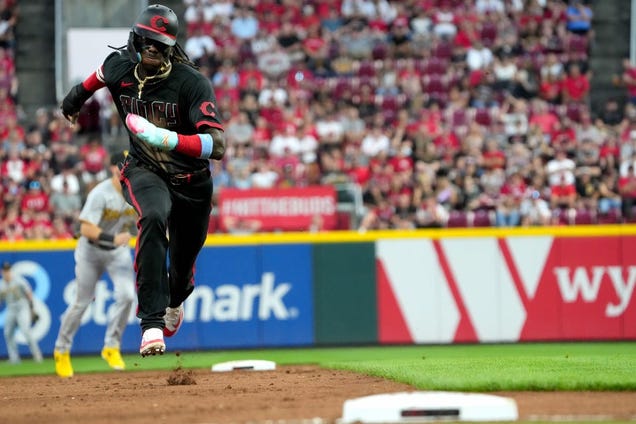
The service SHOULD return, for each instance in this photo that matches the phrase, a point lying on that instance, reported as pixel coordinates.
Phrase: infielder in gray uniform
(16, 292)
(106, 221)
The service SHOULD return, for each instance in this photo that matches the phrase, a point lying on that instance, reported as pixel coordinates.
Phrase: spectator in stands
(550, 89)
(579, 17)
(628, 79)
(429, 213)
(67, 177)
(575, 85)
(201, 47)
(290, 39)
(264, 176)
(60, 230)
(244, 24)
(627, 163)
(444, 21)
(610, 152)
(504, 70)
(357, 40)
(544, 119)
(560, 169)
(609, 199)
(327, 44)
(447, 193)
(478, 56)
(35, 199)
(508, 209)
(239, 130)
(627, 190)
(93, 156)
(378, 217)
(284, 141)
(404, 212)
(611, 114)
(220, 11)
(375, 141)
(526, 81)
(42, 227)
(514, 116)
(66, 204)
(307, 142)
(8, 20)
(250, 77)
(552, 66)
(535, 211)
(13, 167)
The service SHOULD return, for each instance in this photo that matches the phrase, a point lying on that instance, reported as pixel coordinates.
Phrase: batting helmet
(156, 22)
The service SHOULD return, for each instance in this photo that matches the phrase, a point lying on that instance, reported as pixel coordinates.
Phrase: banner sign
(506, 289)
(286, 209)
(245, 297)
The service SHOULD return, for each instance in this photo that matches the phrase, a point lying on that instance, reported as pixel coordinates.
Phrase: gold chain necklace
(164, 71)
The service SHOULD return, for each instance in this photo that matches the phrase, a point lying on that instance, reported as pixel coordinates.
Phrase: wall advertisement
(245, 296)
(277, 292)
(507, 289)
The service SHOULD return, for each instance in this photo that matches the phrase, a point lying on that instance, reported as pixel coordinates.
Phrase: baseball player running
(16, 292)
(106, 220)
(174, 127)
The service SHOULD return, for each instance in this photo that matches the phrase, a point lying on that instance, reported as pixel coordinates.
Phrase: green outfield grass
(536, 366)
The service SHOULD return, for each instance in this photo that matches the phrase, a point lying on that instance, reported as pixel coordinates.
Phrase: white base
(413, 407)
(244, 365)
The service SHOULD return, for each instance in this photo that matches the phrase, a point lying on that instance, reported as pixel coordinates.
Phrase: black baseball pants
(173, 223)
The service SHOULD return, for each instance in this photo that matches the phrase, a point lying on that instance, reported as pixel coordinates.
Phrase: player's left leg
(188, 229)
(120, 270)
(24, 324)
(10, 325)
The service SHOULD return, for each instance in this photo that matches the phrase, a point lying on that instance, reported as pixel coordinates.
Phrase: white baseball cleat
(152, 342)
(173, 319)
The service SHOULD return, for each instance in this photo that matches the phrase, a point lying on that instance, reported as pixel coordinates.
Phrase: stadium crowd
(443, 112)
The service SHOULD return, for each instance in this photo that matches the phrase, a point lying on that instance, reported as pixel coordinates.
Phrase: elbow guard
(74, 100)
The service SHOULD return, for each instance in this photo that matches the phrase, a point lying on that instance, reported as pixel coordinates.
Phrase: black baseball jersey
(183, 102)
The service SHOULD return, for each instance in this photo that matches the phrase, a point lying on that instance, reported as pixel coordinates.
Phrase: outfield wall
(342, 288)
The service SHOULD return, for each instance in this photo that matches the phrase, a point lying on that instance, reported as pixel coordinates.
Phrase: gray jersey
(106, 208)
(14, 292)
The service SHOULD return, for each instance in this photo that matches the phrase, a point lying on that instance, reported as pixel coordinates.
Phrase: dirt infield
(293, 394)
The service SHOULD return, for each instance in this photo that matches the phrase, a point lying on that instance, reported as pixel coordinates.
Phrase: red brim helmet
(157, 23)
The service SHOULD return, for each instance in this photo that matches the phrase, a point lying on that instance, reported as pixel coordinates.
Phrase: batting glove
(158, 137)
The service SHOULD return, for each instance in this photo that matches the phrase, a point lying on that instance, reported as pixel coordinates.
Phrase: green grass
(536, 366)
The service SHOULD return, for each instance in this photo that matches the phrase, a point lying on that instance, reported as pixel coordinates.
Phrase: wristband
(197, 145)
(106, 238)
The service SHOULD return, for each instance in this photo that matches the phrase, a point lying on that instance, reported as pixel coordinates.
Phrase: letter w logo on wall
(588, 286)
(580, 283)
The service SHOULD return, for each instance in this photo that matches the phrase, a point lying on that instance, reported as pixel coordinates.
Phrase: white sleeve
(93, 208)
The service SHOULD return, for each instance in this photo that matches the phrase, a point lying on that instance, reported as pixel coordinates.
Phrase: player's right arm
(78, 95)
(97, 235)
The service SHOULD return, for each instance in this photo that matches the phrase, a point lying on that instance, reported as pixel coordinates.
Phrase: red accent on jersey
(92, 83)
(209, 124)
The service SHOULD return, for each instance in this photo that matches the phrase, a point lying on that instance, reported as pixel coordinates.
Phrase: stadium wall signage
(346, 288)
